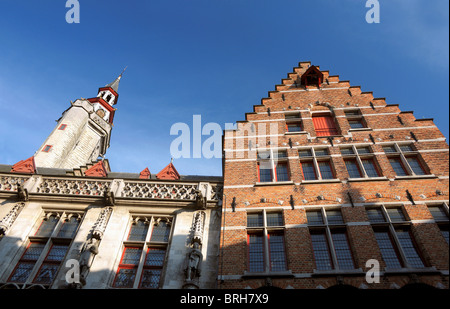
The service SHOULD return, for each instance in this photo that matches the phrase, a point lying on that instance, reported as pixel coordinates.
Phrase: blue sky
(214, 58)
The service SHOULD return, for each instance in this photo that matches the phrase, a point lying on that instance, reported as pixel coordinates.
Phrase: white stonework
(79, 196)
(84, 137)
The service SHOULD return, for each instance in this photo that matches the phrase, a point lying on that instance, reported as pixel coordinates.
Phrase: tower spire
(115, 84)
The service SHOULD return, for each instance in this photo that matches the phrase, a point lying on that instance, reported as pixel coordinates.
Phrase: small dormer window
(312, 77)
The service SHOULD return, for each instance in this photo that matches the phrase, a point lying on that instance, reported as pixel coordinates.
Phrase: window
(329, 240)
(293, 127)
(324, 125)
(355, 119)
(48, 245)
(265, 242)
(405, 161)
(144, 253)
(47, 148)
(360, 162)
(440, 215)
(395, 240)
(316, 164)
(273, 166)
(62, 127)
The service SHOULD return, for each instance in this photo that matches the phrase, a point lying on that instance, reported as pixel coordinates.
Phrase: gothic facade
(323, 184)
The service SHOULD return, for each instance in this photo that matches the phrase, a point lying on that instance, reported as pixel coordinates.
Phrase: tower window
(62, 127)
(47, 148)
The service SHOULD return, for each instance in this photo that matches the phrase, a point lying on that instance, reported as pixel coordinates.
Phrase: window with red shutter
(324, 125)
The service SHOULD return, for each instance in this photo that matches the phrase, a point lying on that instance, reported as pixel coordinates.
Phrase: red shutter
(324, 125)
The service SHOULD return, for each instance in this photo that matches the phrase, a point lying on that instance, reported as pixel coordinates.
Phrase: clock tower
(83, 132)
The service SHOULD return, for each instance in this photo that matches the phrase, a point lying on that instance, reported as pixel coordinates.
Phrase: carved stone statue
(194, 260)
(109, 198)
(200, 200)
(22, 193)
(88, 253)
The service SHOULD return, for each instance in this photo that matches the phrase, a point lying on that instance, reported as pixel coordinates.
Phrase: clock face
(101, 112)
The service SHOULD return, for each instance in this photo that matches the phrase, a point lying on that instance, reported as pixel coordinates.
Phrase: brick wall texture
(382, 142)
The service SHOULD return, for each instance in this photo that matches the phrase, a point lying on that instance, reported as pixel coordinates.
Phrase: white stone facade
(79, 137)
(82, 200)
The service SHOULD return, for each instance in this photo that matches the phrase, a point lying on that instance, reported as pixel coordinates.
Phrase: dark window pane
(347, 151)
(325, 170)
(321, 152)
(397, 165)
(321, 252)
(161, 232)
(255, 253)
(274, 219)
(131, 256)
(47, 226)
(342, 250)
(265, 175)
(389, 149)
(411, 254)
(334, 217)
(57, 253)
(352, 169)
(415, 166)
(277, 255)
(438, 213)
(406, 148)
(363, 150)
(308, 171)
(294, 127)
(255, 220)
(150, 279)
(46, 274)
(138, 231)
(387, 249)
(369, 167)
(282, 172)
(155, 257)
(22, 272)
(69, 228)
(305, 153)
(314, 217)
(125, 278)
(375, 215)
(33, 252)
(396, 214)
(356, 124)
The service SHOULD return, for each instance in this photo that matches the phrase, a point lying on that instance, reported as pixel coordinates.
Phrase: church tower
(83, 132)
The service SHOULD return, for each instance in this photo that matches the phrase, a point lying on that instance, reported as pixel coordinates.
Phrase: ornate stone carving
(194, 257)
(10, 183)
(109, 198)
(90, 247)
(216, 192)
(100, 224)
(159, 190)
(9, 219)
(73, 187)
(22, 193)
(200, 200)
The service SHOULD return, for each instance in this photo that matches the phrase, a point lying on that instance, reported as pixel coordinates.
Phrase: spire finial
(123, 71)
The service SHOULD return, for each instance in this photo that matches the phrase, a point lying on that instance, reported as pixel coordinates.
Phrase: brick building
(320, 179)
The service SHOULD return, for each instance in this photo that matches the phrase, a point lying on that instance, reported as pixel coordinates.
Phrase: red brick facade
(375, 178)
